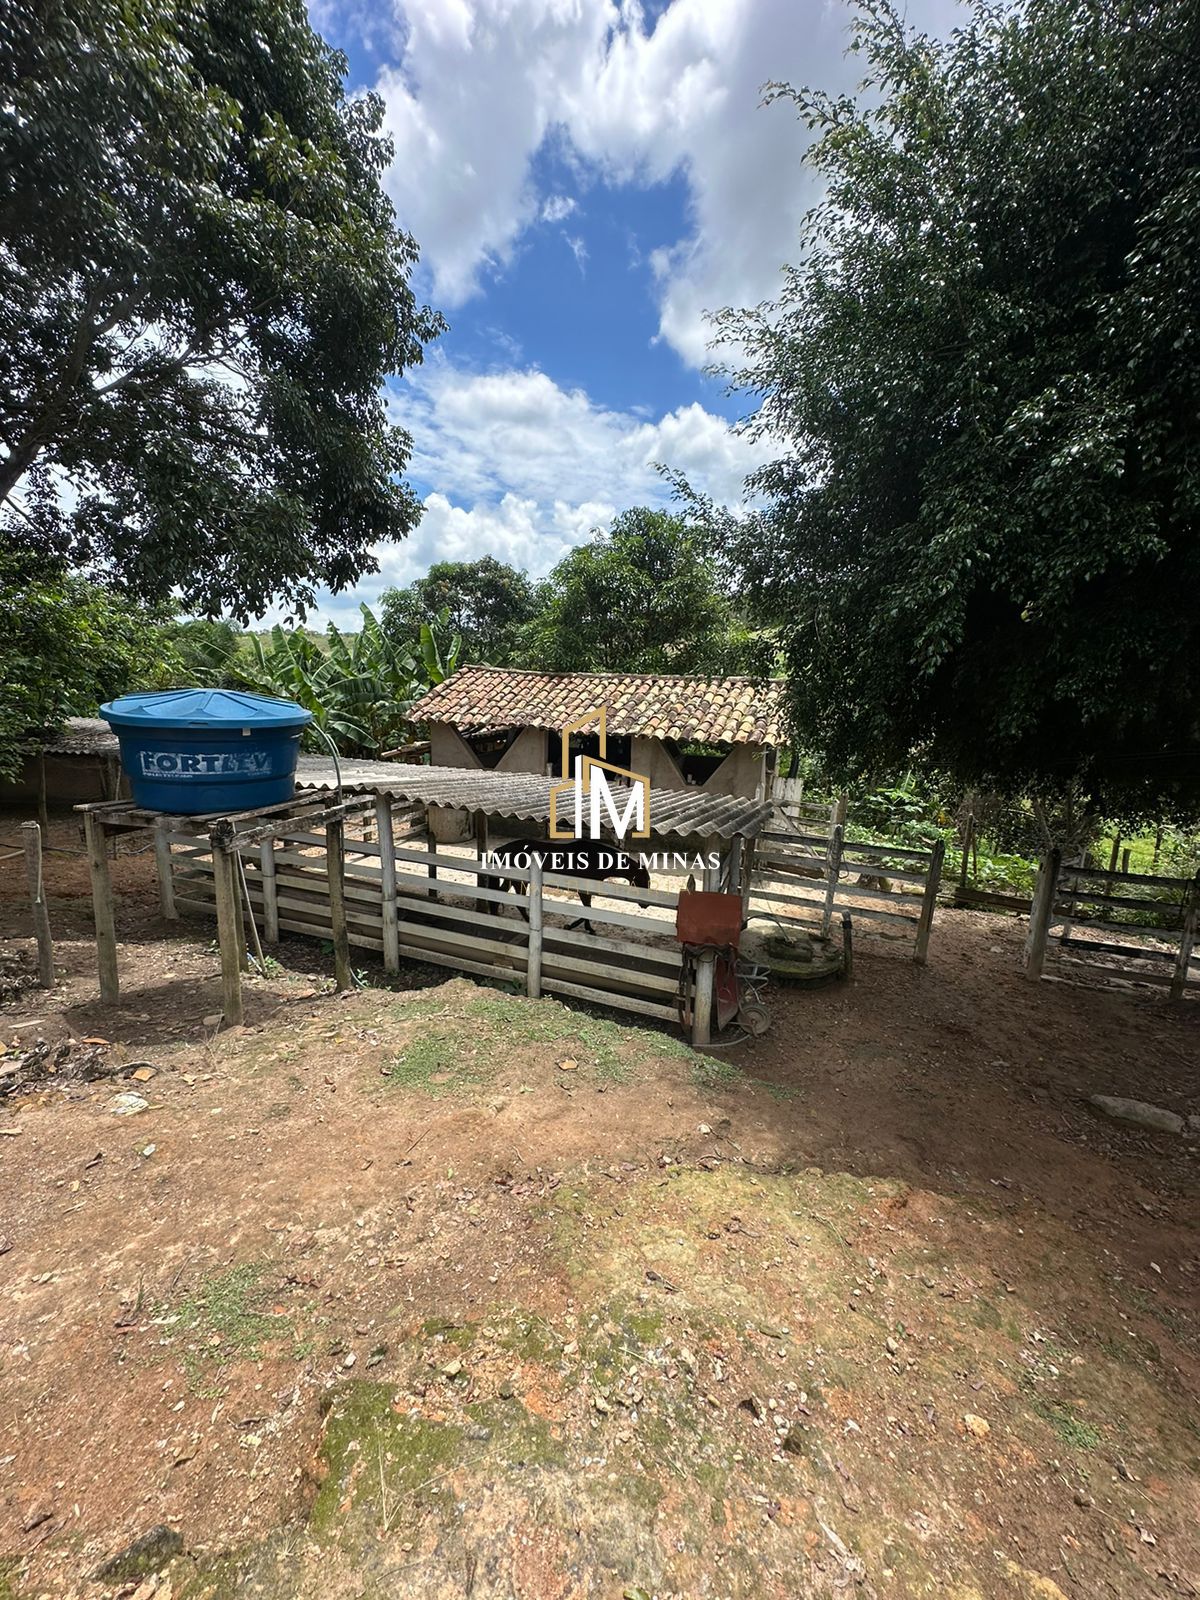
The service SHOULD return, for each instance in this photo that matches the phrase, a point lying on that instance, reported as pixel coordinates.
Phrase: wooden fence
(406, 900)
(1078, 910)
(803, 879)
(796, 814)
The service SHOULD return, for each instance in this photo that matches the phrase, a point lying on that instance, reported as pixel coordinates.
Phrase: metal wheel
(754, 1017)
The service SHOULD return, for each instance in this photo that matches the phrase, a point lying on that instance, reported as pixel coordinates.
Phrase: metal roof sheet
(525, 797)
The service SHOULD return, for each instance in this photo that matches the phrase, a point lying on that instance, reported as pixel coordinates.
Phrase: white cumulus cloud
(484, 83)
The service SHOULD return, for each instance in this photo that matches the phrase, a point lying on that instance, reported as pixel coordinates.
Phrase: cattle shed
(77, 762)
(718, 735)
(361, 865)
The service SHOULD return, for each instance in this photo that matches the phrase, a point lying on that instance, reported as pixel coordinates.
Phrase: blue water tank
(190, 751)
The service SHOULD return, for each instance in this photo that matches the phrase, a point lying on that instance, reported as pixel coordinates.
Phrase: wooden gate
(1078, 912)
(802, 879)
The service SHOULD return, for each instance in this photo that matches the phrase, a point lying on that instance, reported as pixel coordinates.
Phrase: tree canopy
(202, 290)
(982, 378)
(65, 647)
(488, 602)
(643, 597)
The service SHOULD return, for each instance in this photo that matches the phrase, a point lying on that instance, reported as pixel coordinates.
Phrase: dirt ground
(435, 1291)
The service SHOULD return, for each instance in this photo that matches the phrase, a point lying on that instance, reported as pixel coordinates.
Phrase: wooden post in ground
(335, 864)
(162, 861)
(929, 903)
(481, 844)
(270, 891)
(43, 803)
(1187, 940)
(31, 836)
(968, 840)
(748, 847)
(102, 907)
(847, 947)
(431, 844)
(1115, 853)
(533, 969)
(384, 826)
(734, 857)
(1042, 913)
(231, 933)
(834, 869)
(702, 1002)
(1125, 854)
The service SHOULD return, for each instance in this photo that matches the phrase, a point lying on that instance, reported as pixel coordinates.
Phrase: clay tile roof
(482, 699)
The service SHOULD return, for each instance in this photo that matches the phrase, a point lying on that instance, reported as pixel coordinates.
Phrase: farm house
(719, 735)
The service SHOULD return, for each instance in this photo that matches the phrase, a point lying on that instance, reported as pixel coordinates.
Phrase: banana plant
(359, 687)
(439, 663)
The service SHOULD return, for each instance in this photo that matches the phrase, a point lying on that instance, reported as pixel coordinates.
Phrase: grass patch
(383, 1466)
(1072, 1430)
(224, 1320)
(459, 1047)
(709, 1073)
(437, 1062)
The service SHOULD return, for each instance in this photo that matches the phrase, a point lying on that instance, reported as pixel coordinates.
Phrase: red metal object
(727, 991)
(706, 917)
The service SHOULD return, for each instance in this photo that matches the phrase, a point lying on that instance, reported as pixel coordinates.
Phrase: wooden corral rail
(406, 900)
(1074, 904)
(803, 879)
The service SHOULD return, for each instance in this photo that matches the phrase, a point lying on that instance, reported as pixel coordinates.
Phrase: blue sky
(585, 178)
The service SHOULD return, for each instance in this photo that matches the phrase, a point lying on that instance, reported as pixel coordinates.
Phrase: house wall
(448, 749)
(450, 824)
(743, 772)
(652, 758)
(527, 753)
(70, 780)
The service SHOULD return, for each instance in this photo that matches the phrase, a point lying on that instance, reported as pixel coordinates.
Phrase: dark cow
(589, 859)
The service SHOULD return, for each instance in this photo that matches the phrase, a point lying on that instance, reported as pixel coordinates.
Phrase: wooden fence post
(31, 835)
(231, 932)
(933, 883)
(1187, 940)
(162, 861)
(847, 947)
(702, 1003)
(834, 867)
(384, 826)
(335, 867)
(736, 846)
(431, 892)
(102, 907)
(968, 840)
(1042, 913)
(270, 891)
(533, 969)
(748, 846)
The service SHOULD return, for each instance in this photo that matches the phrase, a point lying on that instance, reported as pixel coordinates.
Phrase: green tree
(202, 289)
(67, 646)
(980, 539)
(487, 602)
(643, 597)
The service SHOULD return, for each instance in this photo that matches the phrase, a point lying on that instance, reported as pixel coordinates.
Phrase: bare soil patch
(442, 1292)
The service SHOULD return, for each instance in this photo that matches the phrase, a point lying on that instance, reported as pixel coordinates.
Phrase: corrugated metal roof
(481, 699)
(525, 797)
(81, 736)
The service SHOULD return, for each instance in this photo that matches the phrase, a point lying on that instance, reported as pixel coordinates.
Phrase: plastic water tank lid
(204, 708)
